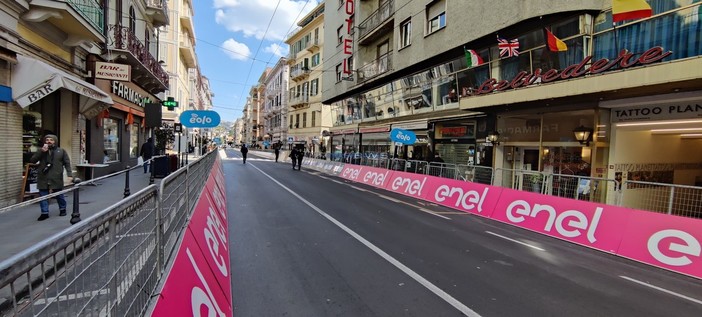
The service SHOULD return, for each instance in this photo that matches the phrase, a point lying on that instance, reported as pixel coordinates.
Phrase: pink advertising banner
(191, 289)
(377, 177)
(470, 197)
(218, 199)
(410, 184)
(351, 172)
(670, 242)
(594, 225)
(210, 233)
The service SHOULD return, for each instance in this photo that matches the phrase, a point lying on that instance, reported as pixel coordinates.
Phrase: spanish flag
(630, 9)
(554, 44)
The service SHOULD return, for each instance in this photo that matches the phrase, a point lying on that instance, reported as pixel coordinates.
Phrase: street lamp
(494, 138)
(583, 135)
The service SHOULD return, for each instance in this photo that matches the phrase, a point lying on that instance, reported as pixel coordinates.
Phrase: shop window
(38, 120)
(110, 128)
(133, 141)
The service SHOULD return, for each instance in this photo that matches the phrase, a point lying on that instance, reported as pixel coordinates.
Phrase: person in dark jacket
(244, 151)
(294, 153)
(52, 161)
(147, 152)
(276, 150)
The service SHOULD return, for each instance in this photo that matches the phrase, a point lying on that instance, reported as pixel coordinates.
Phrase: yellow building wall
(43, 43)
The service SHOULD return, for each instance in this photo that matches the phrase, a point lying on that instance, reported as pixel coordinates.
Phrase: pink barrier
(199, 282)
(665, 241)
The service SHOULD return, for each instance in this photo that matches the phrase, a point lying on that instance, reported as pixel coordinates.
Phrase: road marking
(697, 301)
(358, 188)
(433, 213)
(421, 280)
(516, 241)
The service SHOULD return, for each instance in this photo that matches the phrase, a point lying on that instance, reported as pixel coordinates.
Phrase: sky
(237, 39)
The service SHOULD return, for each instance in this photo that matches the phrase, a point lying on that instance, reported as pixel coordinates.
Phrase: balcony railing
(299, 100)
(158, 9)
(299, 72)
(121, 38)
(91, 11)
(375, 68)
(377, 18)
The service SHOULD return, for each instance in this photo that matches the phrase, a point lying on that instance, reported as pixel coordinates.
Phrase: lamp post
(494, 138)
(583, 135)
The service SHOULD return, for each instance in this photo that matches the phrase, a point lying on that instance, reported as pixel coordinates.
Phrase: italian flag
(630, 9)
(472, 58)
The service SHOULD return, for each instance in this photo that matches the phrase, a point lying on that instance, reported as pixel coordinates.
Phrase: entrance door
(531, 160)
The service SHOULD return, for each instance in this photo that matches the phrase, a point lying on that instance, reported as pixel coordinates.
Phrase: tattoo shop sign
(675, 110)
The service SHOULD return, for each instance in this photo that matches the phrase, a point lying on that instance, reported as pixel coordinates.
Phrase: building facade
(410, 59)
(275, 109)
(308, 118)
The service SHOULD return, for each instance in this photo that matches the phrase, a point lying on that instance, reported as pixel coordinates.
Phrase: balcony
(82, 20)
(187, 51)
(157, 10)
(124, 47)
(375, 68)
(186, 20)
(313, 46)
(377, 24)
(291, 58)
(299, 102)
(299, 73)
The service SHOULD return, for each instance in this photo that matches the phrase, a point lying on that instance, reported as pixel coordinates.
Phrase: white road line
(516, 241)
(333, 180)
(358, 188)
(421, 280)
(697, 301)
(433, 213)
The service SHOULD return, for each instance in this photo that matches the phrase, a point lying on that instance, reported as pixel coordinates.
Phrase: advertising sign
(200, 118)
(112, 71)
(403, 136)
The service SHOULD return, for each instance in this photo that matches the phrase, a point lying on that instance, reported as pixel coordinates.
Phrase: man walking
(276, 150)
(52, 161)
(293, 156)
(147, 152)
(244, 150)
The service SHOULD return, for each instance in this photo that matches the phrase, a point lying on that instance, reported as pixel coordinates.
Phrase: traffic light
(169, 103)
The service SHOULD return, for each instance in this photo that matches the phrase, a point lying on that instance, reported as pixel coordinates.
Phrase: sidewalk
(19, 228)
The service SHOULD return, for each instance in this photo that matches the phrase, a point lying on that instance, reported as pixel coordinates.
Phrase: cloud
(236, 50)
(251, 18)
(276, 49)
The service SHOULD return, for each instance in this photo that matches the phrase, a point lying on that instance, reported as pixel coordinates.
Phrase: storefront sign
(461, 131)
(347, 41)
(112, 71)
(523, 78)
(422, 125)
(123, 91)
(200, 118)
(374, 129)
(403, 136)
(677, 110)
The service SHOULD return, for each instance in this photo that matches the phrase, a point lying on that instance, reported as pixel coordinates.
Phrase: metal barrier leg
(75, 215)
(126, 184)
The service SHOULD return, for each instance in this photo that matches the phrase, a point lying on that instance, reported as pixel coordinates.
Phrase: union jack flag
(508, 48)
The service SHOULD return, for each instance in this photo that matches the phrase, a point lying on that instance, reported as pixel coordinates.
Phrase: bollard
(75, 214)
(126, 184)
(151, 167)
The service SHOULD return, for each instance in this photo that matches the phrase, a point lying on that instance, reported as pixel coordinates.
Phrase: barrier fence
(110, 263)
(672, 199)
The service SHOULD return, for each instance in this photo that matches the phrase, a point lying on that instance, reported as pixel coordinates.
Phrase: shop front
(116, 134)
(344, 143)
(418, 151)
(376, 142)
(461, 141)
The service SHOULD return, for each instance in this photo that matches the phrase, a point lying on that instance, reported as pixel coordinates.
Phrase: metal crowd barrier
(110, 263)
(671, 199)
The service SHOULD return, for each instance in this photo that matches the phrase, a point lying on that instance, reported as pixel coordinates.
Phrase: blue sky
(237, 39)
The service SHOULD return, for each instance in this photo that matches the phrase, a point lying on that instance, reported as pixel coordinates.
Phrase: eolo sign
(199, 118)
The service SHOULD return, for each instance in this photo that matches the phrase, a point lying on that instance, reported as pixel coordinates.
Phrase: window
(339, 35)
(304, 119)
(110, 130)
(291, 121)
(315, 60)
(297, 120)
(314, 90)
(132, 20)
(314, 118)
(405, 33)
(133, 141)
(338, 73)
(118, 13)
(436, 16)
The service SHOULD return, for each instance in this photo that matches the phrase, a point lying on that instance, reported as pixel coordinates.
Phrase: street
(309, 244)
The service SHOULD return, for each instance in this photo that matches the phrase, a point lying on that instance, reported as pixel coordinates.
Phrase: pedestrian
(438, 158)
(276, 150)
(146, 153)
(293, 156)
(52, 161)
(300, 156)
(244, 150)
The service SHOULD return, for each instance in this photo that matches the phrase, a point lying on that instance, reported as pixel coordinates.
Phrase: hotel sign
(112, 71)
(347, 41)
(524, 78)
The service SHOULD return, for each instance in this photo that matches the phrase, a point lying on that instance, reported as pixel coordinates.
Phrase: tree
(164, 136)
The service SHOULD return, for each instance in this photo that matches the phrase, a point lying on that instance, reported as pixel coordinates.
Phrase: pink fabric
(670, 242)
(410, 184)
(470, 197)
(211, 235)
(594, 225)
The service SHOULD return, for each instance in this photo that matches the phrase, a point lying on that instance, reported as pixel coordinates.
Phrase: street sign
(403, 136)
(177, 127)
(200, 118)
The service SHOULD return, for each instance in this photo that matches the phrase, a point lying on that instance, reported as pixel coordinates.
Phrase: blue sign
(200, 118)
(217, 140)
(403, 136)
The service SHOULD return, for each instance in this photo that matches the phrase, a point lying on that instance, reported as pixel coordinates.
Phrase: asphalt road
(309, 244)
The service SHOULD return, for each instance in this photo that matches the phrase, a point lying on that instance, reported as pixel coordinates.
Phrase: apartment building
(622, 102)
(309, 121)
(275, 109)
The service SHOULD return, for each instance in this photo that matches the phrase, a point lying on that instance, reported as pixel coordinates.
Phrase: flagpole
(616, 41)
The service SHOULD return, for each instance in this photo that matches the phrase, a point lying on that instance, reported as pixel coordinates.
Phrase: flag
(630, 9)
(509, 48)
(554, 44)
(130, 118)
(472, 58)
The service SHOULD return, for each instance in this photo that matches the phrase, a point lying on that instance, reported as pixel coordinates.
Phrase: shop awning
(33, 80)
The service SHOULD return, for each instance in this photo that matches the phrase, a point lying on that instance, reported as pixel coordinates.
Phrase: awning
(33, 80)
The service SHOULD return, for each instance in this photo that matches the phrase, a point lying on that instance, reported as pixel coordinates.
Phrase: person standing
(300, 156)
(276, 149)
(293, 156)
(52, 161)
(244, 151)
(147, 152)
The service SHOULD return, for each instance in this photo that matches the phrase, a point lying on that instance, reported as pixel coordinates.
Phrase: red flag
(630, 9)
(554, 44)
